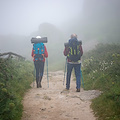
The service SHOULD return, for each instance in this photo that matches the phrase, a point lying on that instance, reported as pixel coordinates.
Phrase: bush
(15, 79)
(101, 70)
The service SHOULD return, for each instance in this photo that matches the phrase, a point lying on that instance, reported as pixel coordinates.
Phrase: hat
(38, 37)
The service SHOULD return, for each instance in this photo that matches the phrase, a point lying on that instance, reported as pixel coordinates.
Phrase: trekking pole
(34, 75)
(65, 70)
(47, 71)
(82, 78)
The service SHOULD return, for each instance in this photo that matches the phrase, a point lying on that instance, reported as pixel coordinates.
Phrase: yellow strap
(74, 52)
(71, 51)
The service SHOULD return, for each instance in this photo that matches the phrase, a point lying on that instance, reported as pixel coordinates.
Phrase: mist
(23, 17)
(92, 20)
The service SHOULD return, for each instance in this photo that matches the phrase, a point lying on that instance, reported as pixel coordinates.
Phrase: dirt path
(55, 104)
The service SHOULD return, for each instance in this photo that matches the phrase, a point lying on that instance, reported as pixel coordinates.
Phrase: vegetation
(101, 70)
(15, 79)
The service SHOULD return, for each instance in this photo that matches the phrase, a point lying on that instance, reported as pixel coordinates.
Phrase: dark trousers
(39, 66)
(77, 68)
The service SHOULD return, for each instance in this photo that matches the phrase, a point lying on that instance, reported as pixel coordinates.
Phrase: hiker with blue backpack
(39, 53)
(73, 50)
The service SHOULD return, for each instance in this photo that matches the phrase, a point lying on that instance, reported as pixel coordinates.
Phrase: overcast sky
(24, 16)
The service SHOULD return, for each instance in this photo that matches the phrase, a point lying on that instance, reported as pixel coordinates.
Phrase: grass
(101, 70)
(15, 79)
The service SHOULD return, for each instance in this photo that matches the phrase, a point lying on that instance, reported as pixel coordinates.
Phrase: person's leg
(37, 72)
(41, 73)
(77, 68)
(69, 70)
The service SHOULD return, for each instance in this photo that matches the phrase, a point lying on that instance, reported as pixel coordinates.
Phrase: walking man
(73, 51)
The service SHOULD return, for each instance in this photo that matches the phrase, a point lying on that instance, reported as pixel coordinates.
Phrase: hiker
(73, 51)
(39, 53)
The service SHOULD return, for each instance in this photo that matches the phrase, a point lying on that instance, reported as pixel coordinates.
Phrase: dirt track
(54, 103)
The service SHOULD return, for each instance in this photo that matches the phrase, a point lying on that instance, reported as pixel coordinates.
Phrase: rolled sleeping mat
(38, 40)
(67, 44)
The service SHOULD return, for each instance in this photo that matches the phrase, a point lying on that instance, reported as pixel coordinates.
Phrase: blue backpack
(74, 50)
(39, 50)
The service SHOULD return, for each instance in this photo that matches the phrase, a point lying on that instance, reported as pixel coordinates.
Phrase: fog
(24, 16)
(94, 21)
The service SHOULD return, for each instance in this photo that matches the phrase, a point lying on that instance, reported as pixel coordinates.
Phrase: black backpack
(74, 50)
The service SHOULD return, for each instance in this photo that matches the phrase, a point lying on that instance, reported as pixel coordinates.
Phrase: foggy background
(93, 21)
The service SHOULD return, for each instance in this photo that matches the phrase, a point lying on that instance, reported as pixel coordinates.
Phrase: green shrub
(101, 70)
(15, 79)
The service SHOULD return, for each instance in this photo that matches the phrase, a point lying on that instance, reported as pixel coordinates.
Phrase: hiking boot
(37, 85)
(40, 82)
(78, 90)
(65, 90)
(40, 85)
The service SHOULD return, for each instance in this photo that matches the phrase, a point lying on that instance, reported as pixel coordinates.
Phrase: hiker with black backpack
(39, 53)
(73, 50)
